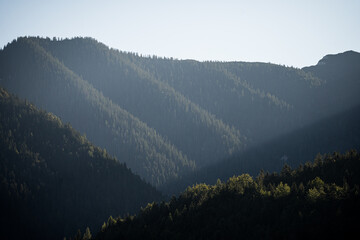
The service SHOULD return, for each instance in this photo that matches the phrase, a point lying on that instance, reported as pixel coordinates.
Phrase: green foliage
(111, 221)
(87, 234)
(241, 183)
(281, 190)
(262, 208)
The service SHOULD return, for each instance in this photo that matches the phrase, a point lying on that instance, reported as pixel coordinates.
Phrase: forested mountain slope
(166, 117)
(32, 73)
(53, 180)
(342, 74)
(317, 201)
(263, 100)
(190, 128)
(332, 134)
(233, 96)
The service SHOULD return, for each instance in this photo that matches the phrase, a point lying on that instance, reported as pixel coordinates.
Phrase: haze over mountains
(337, 133)
(174, 123)
(165, 117)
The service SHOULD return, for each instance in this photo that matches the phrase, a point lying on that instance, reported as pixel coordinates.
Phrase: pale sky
(293, 33)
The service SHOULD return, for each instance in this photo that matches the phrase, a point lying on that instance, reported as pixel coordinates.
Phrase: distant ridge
(167, 118)
(340, 57)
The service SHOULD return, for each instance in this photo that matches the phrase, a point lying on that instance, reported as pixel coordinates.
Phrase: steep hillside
(190, 128)
(53, 181)
(166, 117)
(333, 134)
(262, 100)
(317, 201)
(255, 109)
(342, 74)
(32, 73)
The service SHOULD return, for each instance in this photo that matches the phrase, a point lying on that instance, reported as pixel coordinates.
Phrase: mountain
(167, 118)
(190, 128)
(342, 74)
(317, 201)
(32, 73)
(174, 123)
(333, 134)
(53, 181)
(263, 100)
(229, 91)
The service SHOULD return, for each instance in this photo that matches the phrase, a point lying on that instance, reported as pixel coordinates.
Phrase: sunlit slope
(198, 133)
(32, 73)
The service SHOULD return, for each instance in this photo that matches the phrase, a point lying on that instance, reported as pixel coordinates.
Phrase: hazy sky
(294, 33)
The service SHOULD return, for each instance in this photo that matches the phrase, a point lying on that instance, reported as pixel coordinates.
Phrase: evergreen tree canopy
(318, 201)
(54, 181)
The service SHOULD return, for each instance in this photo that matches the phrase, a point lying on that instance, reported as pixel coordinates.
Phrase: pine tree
(87, 234)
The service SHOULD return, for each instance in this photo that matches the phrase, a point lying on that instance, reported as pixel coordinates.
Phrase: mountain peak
(348, 56)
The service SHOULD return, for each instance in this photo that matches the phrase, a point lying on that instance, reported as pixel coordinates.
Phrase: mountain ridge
(164, 117)
(87, 92)
(160, 95)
